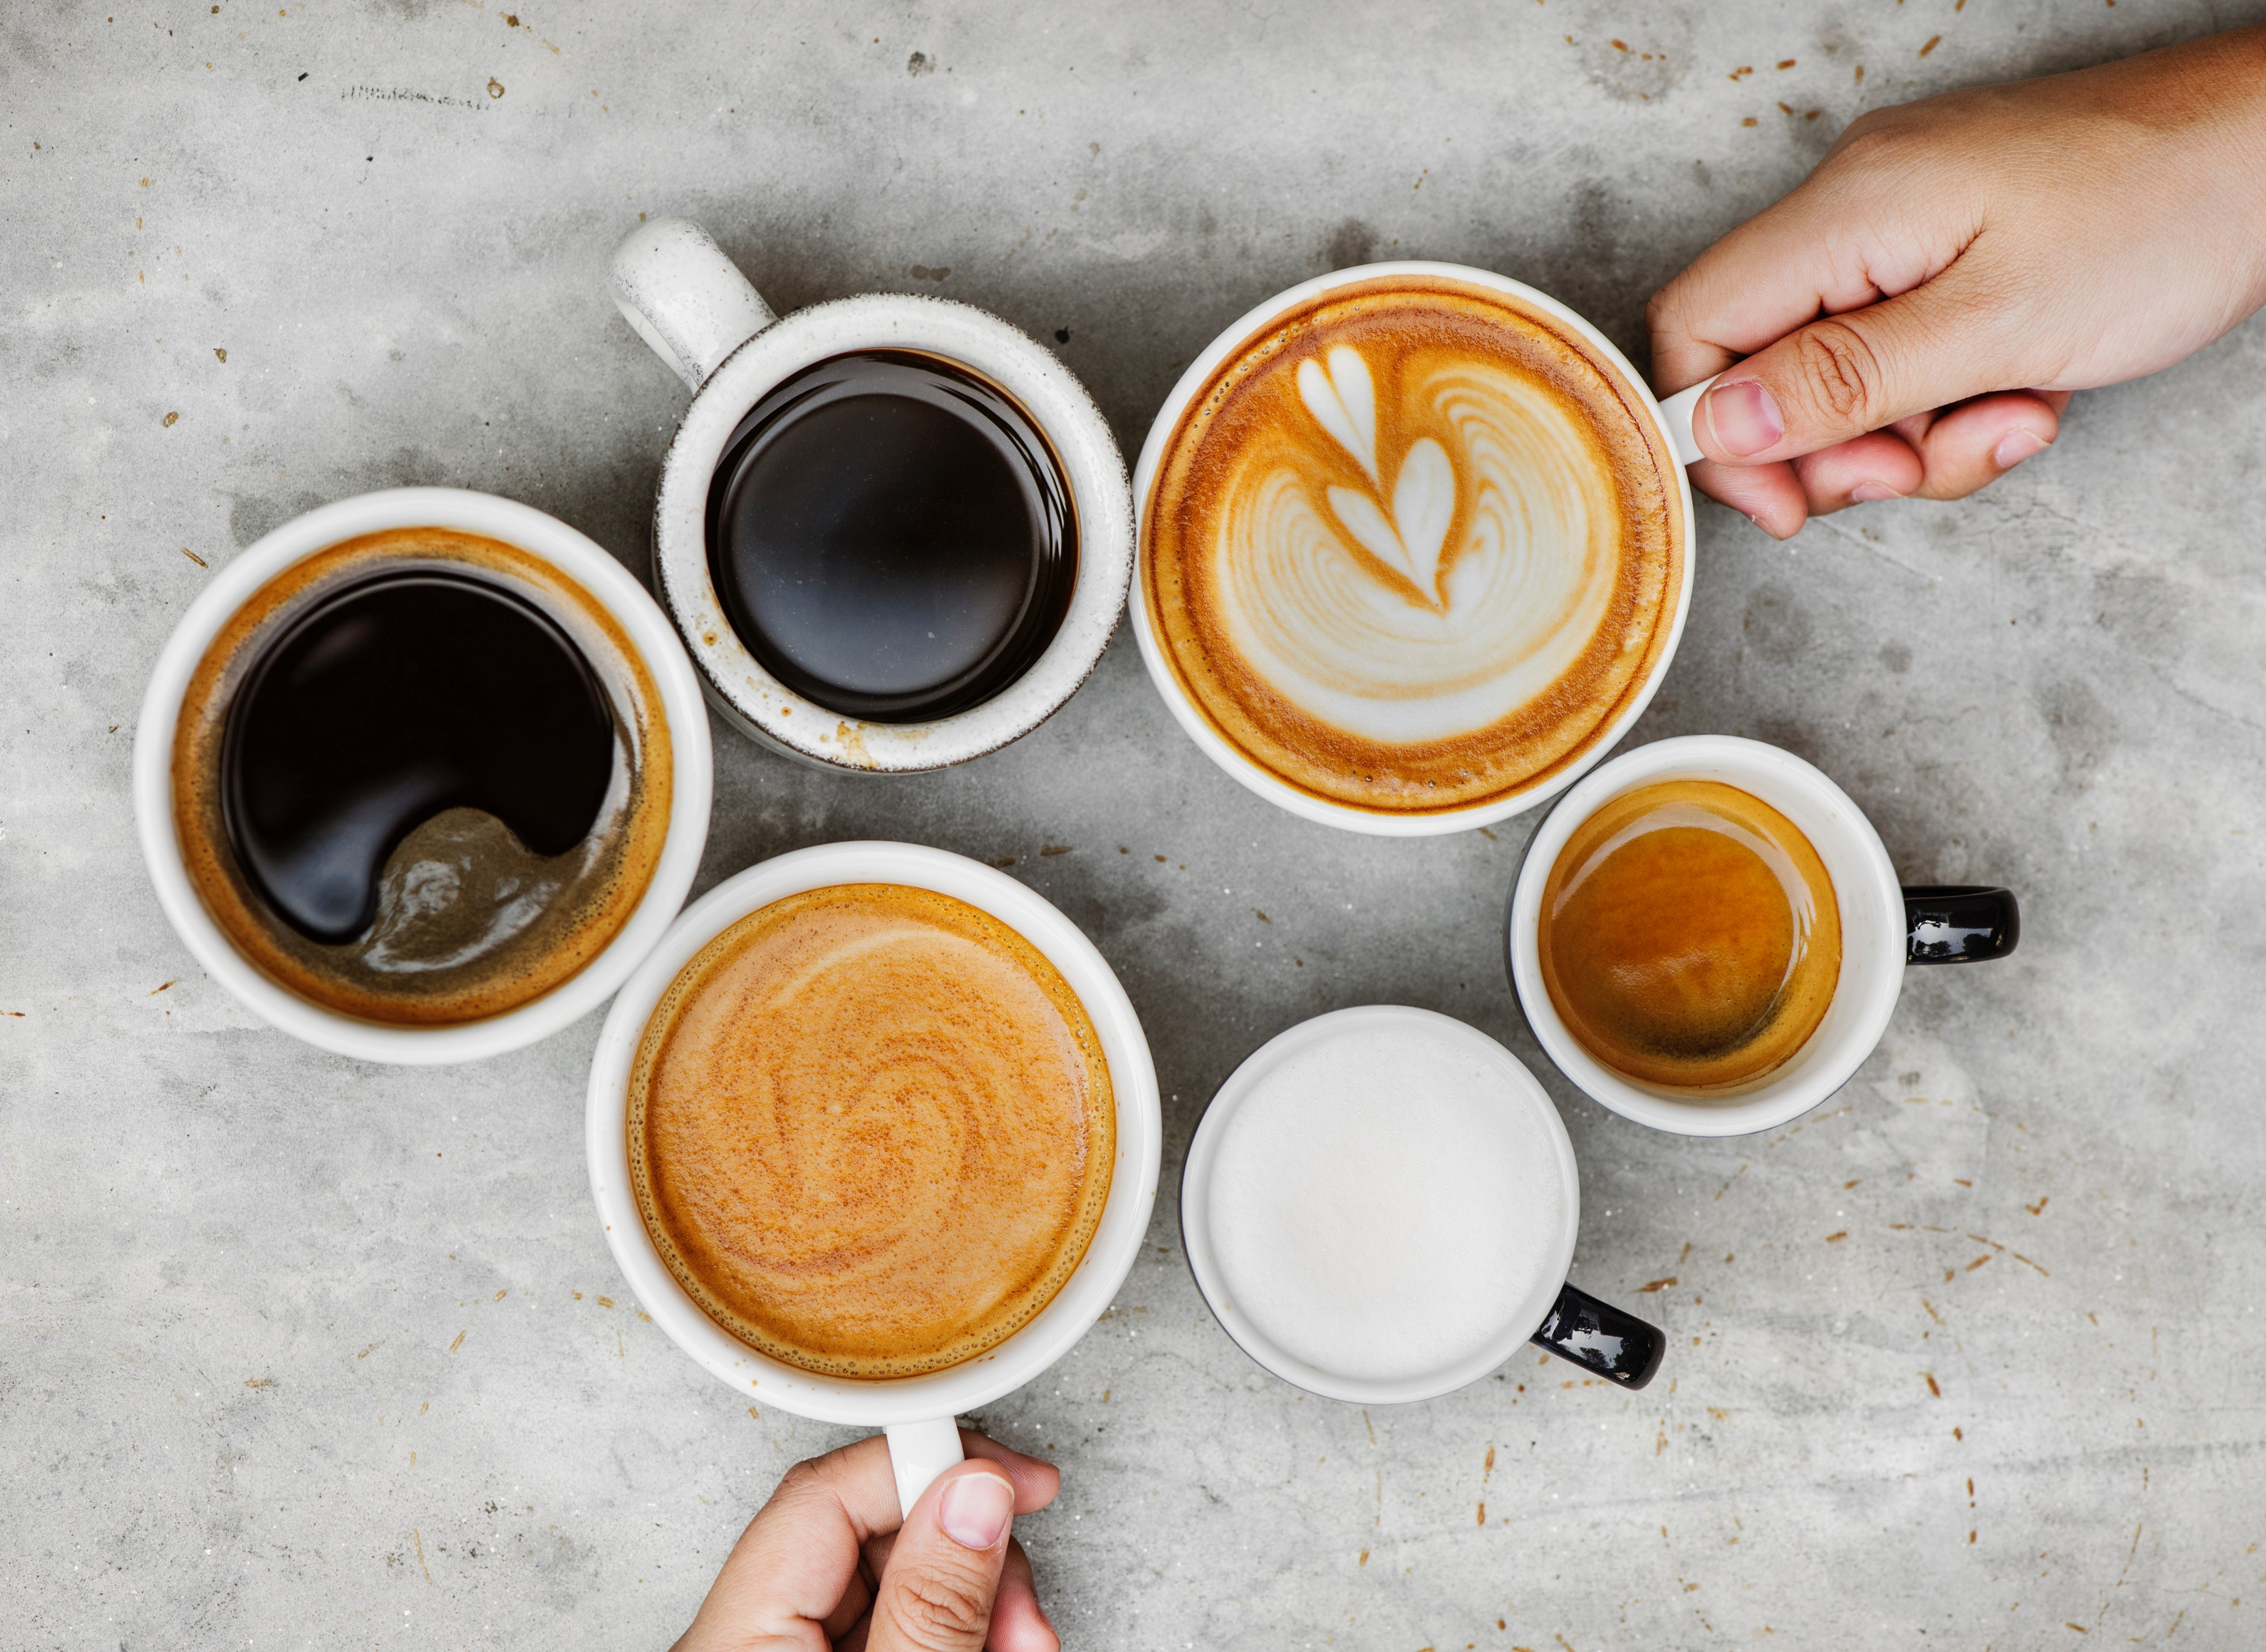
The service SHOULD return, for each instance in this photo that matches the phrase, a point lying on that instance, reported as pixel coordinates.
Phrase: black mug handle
(1959, 923)
(1599, 1337)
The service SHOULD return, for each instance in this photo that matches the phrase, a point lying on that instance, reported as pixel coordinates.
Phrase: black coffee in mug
(891, 537)
(421, 778)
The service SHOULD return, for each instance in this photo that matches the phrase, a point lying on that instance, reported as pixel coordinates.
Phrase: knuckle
(937, 1610)
(1838, 369)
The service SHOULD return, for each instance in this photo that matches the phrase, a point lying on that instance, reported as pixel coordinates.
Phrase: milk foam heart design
(1409, 550)
(1409, 541)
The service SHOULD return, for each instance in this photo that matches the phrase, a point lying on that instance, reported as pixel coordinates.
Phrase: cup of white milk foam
(1380, 1205)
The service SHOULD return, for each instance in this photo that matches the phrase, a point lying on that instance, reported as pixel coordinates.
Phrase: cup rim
(1109, 1255)
(1196, 1213)
(691, 779)
(1254, 776)
(1093, 469)
(1871, 983)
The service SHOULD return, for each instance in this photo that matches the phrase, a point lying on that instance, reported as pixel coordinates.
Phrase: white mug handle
(1677, 412)
(685, 297)
(918, 1452)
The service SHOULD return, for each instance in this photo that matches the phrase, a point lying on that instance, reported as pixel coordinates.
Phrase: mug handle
(685, 298)
(918, 1452)
(1599, 1337)
(1675, 412)
(1959, 923)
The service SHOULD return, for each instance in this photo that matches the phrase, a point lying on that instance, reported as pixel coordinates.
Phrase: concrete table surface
(298, 1351)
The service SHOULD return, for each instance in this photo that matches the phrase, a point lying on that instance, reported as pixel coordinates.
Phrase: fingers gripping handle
(684, 297)
(918, 1452)
(1677, 412)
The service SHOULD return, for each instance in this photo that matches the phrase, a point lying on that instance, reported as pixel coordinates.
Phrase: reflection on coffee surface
(1414, 547)
(421, 778)
(870, 1130)
(891, 537)
(1689, 935)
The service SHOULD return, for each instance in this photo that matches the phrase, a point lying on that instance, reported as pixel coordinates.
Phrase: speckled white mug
(692, 304)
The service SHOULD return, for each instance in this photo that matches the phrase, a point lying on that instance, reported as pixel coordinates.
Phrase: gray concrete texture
(299, 1351)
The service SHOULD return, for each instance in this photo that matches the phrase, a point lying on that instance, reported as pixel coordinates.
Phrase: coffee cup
(918, 1410)
(1882, 927)
(1416, 546)
(1380, 1206)
(558, 583)
(836, 668)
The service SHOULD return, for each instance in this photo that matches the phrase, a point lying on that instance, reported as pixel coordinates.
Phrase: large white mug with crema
(874, 1134)
(1416, 547)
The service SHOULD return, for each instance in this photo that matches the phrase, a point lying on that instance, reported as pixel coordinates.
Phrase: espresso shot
(1690, 936)
(891, 537)
(421, 778)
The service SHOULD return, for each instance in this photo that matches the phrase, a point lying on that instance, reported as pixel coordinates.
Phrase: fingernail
(975, 1510)
(1865, 493)
(1744, 418)
(2016, 446)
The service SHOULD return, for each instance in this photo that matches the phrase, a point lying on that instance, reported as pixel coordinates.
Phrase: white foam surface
(1383, 1202)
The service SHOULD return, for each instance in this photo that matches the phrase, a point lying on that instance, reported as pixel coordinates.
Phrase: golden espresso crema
(870, 1130)
(1414, 547)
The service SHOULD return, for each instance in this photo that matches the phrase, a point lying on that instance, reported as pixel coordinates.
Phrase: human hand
(826, 1564)
(1912, 320)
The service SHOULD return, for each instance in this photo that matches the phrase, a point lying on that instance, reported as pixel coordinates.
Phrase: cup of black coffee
(894, 532)
(421, 776)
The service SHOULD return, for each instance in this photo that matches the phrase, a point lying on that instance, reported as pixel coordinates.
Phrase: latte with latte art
(1416, 547)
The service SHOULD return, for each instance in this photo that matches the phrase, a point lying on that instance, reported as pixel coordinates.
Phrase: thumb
(936, 1593)
(1845, 374)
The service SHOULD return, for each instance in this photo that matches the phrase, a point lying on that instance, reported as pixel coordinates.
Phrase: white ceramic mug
(916, 1411)
(692, 304)
(1672, 417)
(1555, 1314)
(608, 583)
(1884, 926)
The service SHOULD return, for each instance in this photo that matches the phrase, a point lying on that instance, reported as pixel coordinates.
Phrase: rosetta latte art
(1425, 620)
(1414, 550)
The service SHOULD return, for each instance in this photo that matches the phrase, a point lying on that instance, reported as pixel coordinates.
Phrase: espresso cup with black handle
(1883, 927)
(894, 532)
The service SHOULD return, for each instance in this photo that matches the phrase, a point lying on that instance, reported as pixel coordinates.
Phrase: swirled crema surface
(1414, 547)
(870, 1130)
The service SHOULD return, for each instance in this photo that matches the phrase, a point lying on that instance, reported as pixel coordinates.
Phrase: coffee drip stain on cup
(891, 537)
(1689, 936)
(421, 778)
(1414, 547)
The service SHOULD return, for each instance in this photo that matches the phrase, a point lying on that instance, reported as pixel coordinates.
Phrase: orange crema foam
(1414, 547)
(870, 1130)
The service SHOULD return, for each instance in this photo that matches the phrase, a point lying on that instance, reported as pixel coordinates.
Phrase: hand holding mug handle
(918, 1452)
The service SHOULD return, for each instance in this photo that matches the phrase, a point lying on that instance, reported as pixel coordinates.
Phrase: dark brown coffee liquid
(891, 538)
(1689, 935)
(390, 701)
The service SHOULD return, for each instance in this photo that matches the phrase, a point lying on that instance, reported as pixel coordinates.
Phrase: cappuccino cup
(893, 531)
(853, 1090)
(1758, 825)
(1379, 1207)
(421, 775)
(1414, 549)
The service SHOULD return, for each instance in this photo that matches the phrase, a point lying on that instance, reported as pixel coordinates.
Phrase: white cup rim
(1092, 469)
(1872, 928)
(1256, 775)
(1109, 1255)
(1195, 1211)
(574, 554)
